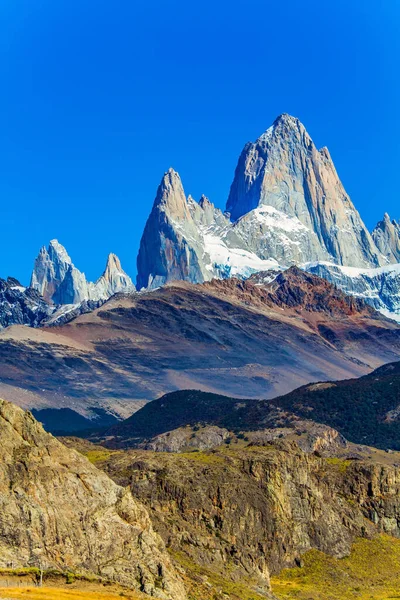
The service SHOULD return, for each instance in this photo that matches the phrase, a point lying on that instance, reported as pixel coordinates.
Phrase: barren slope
(246, 339)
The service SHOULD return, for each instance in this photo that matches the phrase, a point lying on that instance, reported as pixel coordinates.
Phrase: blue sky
(99, 98)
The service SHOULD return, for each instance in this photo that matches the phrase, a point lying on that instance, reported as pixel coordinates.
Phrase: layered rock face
(58, 511)
(249, 512)
(56, 278)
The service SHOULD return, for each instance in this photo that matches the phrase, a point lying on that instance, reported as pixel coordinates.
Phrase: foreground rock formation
(245, 511)
(58, 511)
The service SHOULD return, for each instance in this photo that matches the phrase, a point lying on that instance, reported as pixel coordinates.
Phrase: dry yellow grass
(371, 572)
(49, 593)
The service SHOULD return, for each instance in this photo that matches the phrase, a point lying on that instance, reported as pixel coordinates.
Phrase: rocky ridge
(252, 338)
(20, 305)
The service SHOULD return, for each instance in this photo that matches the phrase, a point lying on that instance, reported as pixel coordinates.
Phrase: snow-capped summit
(56, 278)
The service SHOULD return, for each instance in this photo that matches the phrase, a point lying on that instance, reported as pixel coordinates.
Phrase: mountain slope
(60, 511)
(364, 410)
(258, 338)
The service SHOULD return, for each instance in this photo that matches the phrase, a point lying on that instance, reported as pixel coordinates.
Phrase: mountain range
(259, 338)
(286, 206)
(246, 299)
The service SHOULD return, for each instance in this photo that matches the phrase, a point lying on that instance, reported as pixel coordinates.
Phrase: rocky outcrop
(56, 278)
(386, 236)
(59, 511)
(187, 438)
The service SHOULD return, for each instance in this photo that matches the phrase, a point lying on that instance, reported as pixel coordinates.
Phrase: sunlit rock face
(284, 170)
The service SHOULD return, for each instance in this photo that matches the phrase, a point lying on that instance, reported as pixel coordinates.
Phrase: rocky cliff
(58, 511)
(56, 278)
(245, 511)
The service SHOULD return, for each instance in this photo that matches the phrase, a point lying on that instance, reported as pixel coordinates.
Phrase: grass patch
(341, 463)
(96, 456)
(204, 458)
(371, 572)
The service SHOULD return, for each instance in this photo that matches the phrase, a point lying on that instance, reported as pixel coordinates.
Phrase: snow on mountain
(379, 287)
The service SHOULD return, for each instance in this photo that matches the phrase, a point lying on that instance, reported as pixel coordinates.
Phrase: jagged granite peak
(57, 279)
(58, 509)
(284, 170)
(171, 244)
(114, 279)
(50, 268)
(386, 236)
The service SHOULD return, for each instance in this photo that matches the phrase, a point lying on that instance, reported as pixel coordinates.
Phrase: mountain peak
(113, 263)
(284, 170)
(55, 248)
(113, 280)
(386, 236)
(287, 119)
(170, 196)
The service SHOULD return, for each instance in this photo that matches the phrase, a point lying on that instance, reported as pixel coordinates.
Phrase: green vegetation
(96, 456)
(341, 463)
(371, 572)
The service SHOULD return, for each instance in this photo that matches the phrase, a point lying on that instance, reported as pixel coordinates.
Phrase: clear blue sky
(99, 98)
